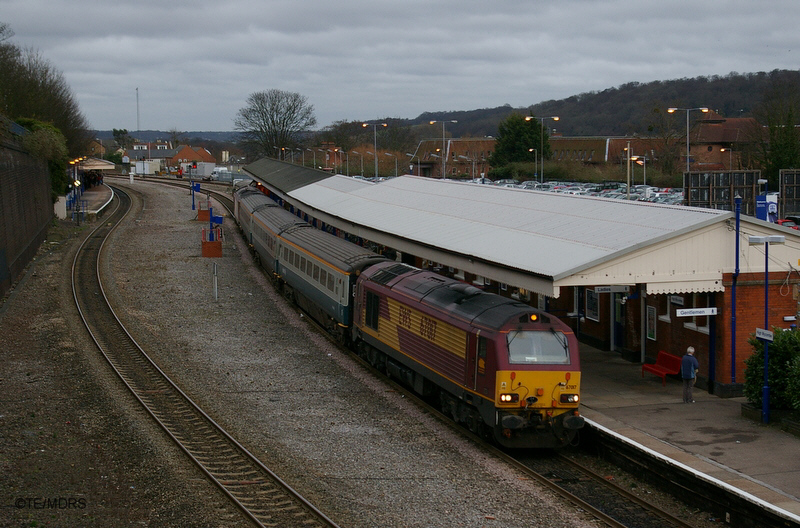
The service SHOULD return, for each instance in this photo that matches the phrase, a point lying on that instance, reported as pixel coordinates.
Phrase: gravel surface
(344, 439)
(75, 449)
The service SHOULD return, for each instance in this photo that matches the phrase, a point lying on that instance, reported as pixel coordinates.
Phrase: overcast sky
(195, 62)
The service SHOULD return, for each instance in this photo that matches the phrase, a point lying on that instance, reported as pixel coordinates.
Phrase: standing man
(689, 369)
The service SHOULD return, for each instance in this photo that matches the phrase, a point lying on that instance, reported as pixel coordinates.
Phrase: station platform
(709, 436)
(97, 198)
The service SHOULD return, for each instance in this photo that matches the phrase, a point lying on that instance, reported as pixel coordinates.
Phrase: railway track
(258, 492)
(597, 496)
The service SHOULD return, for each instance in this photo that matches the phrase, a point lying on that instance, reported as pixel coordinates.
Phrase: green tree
(783, 351)
(519, 139)
(30, 87)
(122, 138)
(779, 143)
(45, 142)
(272, 120)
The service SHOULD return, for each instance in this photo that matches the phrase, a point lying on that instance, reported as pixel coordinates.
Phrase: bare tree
(273, 120)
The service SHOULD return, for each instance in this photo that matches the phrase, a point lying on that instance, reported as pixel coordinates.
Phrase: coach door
(476, 364)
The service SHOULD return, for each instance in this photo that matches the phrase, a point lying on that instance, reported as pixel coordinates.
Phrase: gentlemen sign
(695, 312)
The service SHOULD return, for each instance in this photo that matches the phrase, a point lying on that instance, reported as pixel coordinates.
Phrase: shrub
(784, 352)
(793, 388)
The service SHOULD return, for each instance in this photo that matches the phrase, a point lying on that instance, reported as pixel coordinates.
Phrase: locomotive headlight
(509, 398)
(570, 398)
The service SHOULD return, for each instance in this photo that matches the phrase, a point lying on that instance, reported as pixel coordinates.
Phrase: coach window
(285, 253)
(323, 277)
(330, 281)
(309, 268)
(316, 273)
(296, 261)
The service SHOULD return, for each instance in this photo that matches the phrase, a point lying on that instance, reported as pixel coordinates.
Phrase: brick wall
(26, 208)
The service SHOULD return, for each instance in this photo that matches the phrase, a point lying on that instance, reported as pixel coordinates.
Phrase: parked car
(788, 223)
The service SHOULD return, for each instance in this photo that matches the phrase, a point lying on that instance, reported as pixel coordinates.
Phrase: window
(664, 308)
(330, 281)
(302, 264)
(699, 323)
(316, 273)
(481, 356)
(323, 277)
(372, 310)
(538, 347)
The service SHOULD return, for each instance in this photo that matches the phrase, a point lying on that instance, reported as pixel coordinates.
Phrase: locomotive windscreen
(538, 347)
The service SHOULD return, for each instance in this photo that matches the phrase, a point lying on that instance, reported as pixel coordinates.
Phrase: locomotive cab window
(540, 347)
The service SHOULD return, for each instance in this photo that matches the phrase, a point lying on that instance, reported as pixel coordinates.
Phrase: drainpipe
(738, 202)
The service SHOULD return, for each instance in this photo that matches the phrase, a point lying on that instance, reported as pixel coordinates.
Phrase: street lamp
(730, 156)
(314, 151)
(766, 240)
(535, 161)
(303, 153)
(395, 162)
(473, 164)
(362, 161)
(444, 147)
(641, 160)
(672, 110)
(541, 139)
(375, 140)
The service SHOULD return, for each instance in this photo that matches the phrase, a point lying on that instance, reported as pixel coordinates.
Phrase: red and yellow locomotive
(497, 365)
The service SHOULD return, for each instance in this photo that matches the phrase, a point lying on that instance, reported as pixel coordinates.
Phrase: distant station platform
(710, 436)
(97, 198)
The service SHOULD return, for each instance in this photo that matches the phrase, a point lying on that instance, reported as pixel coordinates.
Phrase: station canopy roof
(96, 164)
(540, 241)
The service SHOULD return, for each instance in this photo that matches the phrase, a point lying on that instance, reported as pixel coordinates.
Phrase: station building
(633, 277)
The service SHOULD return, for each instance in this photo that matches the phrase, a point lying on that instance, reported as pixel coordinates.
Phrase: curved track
(599, 497)
(261, 495)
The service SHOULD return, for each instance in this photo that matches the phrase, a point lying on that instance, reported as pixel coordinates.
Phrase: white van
(221, 174)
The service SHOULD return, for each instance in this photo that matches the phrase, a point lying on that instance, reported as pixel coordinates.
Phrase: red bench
(665, 364)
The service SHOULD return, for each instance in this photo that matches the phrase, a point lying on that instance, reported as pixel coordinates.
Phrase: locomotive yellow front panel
(546, 388)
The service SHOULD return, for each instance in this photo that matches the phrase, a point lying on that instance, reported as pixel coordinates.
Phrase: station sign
(611, 289)
(766, 335)
(695, 312)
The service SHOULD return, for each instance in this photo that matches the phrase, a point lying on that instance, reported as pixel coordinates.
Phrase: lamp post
(314, 151)
(411, 163)
(444, 146)
(303, 155)
(672, 110)
(628, 164)
(541, 139)
(730, 156)
(766, 240)
(375, 140)
(395, 162)
(362, 161)
(643, 160)
(535, 161)
(473, 164)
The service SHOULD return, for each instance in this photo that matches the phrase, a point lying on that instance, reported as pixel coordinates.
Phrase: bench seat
(665, 364)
